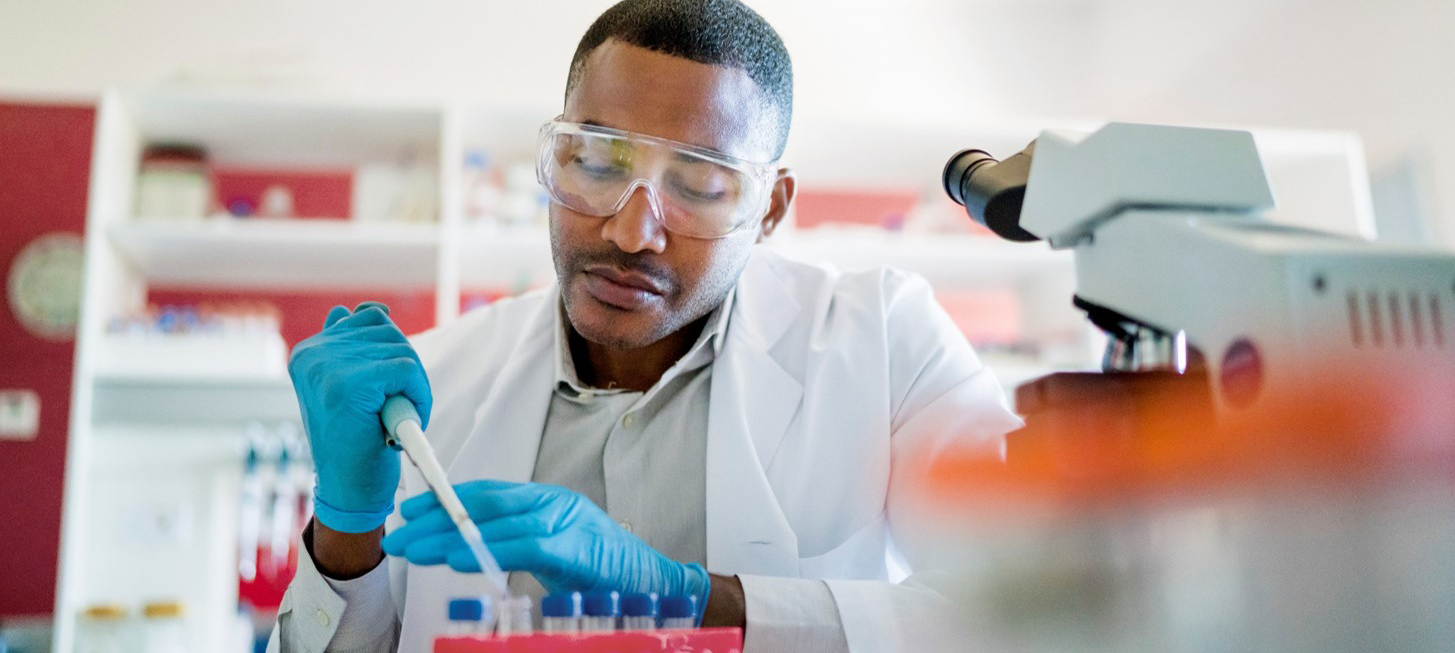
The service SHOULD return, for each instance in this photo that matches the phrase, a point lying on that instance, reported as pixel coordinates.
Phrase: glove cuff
(345, 521)
(695, 580)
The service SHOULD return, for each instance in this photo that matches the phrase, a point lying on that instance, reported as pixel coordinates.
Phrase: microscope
(1206, 304)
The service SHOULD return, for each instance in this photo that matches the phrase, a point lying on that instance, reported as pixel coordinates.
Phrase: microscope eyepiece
(991, 191)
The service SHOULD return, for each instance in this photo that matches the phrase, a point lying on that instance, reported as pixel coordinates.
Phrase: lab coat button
(627, 421)
(322, 618)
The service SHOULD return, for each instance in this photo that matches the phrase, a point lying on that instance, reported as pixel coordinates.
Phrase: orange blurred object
(1155, 433)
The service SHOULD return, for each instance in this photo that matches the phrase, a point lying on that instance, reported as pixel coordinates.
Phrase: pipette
(403, 432)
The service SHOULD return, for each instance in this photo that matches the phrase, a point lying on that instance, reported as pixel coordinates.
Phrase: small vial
(515, 616)
(639, 611)
(561, 613)
(601, 610)
(468, 616)
(678, 611)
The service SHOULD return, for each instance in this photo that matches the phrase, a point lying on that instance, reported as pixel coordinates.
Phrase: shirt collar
(702, 353)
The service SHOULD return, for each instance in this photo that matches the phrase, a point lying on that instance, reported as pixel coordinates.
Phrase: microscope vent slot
(1376, 319)
(1437, 321)
(1396, 324)
(1356, 330)
(1417, 320)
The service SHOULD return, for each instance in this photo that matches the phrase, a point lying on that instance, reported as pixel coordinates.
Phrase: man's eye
(597, 166)
(701, 195)
(701, 188)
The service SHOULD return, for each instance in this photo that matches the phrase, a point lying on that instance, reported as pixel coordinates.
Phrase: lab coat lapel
(753, 399)
(507, 434)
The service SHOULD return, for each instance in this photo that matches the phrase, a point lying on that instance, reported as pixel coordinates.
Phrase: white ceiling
(1380, 68)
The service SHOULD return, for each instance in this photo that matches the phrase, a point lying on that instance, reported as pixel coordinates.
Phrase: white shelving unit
(112, 407)
(280, 254)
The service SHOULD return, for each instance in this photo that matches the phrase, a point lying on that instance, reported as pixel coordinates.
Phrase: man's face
(625, 280)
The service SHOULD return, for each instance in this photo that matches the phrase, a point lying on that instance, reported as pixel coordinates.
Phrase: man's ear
(784, 190)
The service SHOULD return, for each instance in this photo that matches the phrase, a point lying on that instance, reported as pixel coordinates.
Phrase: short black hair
(715, 32)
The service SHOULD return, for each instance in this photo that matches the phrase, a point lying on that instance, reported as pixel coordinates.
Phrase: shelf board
(280, 254)
(286, 129)
(949, 261)
(122, 399)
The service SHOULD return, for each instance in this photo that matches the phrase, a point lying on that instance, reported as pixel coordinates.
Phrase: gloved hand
(342, 376)
(562, 538)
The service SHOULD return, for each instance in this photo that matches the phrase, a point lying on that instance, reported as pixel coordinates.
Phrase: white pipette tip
(402, 431)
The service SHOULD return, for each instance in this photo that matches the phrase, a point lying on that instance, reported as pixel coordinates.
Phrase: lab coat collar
(753, 401)
(507, 432)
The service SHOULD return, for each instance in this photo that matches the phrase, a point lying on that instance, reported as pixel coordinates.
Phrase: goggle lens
(595, 173)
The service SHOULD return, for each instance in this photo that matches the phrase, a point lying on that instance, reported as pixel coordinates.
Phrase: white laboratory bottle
(561, 613)
(639, 611)
(163, 629)
(104, 628)
(678, 611)
(482, 186)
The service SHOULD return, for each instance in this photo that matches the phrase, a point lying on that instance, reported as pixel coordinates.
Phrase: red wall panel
(45, 161)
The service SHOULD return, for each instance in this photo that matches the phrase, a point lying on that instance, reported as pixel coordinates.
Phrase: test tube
(561, 613)
(601, 610)
(679, 611)
(468, 616)
(639, 611)
(514, 616)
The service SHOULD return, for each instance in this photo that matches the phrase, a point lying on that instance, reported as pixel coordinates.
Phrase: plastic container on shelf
(482, 186)
(173, 183)
(105, 628)
(164, 628)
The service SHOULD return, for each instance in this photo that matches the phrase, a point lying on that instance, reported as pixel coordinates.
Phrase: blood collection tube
(561, 613)
(639, 611)
(601, 610)
(678, 611)
(468, 616)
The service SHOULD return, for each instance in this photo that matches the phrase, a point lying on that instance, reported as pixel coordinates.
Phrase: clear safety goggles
(693, 191)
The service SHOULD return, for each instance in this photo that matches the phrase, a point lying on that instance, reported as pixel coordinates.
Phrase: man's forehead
(638, 90)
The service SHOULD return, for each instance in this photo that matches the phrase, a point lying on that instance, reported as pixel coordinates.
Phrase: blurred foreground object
(1323, 521)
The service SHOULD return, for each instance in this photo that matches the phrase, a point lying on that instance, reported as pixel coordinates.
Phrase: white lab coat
(824, 385)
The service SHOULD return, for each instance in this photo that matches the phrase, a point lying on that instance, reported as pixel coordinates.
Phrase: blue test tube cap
(639, 605)
(679, 606)
(601, 604)
(561, 605)
(468, 609)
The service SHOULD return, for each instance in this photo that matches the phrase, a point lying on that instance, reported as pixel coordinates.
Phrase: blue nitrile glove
(342, 376)
(562, 538)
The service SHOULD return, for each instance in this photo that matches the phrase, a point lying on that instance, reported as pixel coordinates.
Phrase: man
(681, 414)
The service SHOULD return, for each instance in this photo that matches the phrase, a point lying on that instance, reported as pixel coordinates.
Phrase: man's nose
(637, 226)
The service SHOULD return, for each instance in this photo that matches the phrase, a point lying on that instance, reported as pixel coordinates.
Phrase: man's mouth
(623, 289)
